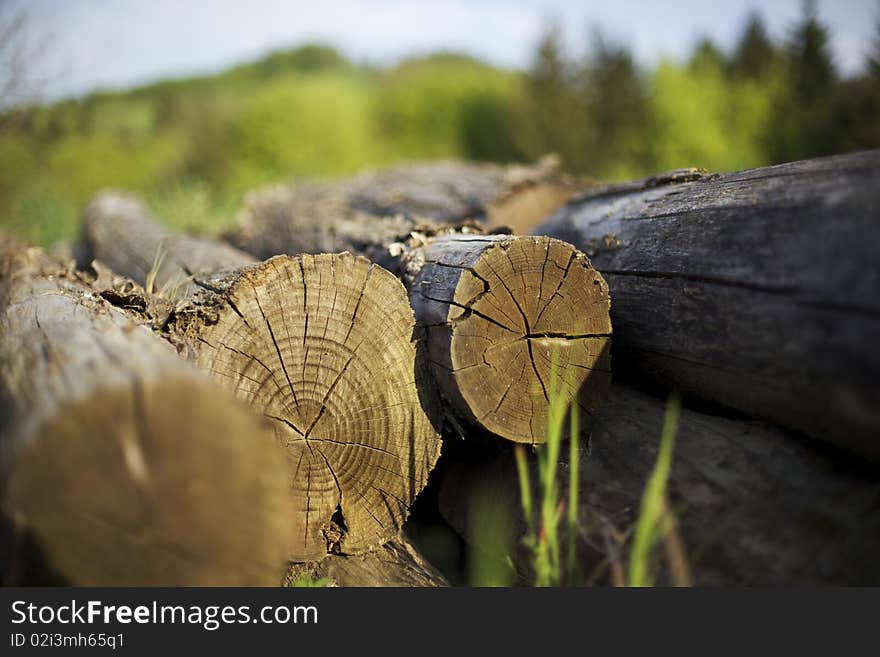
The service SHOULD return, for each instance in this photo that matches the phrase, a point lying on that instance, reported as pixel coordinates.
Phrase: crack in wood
(467, 310)
(275, 343)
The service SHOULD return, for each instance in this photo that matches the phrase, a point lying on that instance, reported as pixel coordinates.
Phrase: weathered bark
(759, 290)
(396, 563)
(755, 505)
(120, 232)
(322, 217)
(454, 191)
(323, 346)
(121, 464)
(498, 310)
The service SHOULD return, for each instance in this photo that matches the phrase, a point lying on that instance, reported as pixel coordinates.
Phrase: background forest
(192, 147)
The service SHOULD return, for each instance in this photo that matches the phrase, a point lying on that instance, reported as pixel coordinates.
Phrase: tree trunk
(396, 563)
(121, 233)
(759, 290)
(453, 191)
(121, 464)
(502, 338)
(498, 310)
(755, 505)
(305, 218)
(323, 347)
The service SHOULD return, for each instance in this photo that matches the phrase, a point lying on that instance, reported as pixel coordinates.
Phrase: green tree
(707, 55)
(552, 116)
(302, 126)
(616, 102)
(812, 68)
(701, 117)
(804, 125)
(488, 126)
(443, 105)
(755, 55)
(310, 58)
(857, 108)
(873, 64)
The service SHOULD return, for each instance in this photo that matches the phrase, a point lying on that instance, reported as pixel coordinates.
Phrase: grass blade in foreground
(654, 499)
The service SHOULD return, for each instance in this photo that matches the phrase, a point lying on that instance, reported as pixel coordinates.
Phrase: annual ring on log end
(529, 321)
(323, 346)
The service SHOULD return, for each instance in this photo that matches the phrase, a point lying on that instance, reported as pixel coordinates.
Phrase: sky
(91, 44)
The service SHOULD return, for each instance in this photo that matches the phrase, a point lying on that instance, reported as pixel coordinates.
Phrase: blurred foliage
(425, 107)
(300, 126)
(193, 146)
(702, 118)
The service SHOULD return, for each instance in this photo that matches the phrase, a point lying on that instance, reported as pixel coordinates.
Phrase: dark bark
(758, 290)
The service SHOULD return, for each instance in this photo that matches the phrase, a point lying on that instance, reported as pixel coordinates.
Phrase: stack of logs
(252, 410)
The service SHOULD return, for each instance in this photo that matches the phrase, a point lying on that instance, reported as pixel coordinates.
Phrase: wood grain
(758, 290)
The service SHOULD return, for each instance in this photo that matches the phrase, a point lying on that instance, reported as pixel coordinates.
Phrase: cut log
(121, 233)
(121, 464)
(453, 191)
(498, 310)
(396, 563)
(759, 290)
(502, 338)
(324, 347)
(321, 217)
(755, 505)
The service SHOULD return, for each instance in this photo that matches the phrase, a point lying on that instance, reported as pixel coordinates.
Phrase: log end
(323, 346)
(529, 324)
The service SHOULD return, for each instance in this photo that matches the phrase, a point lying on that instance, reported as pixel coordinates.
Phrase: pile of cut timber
(188, 410)
(508, 320)
(322, 346)
(757, 292)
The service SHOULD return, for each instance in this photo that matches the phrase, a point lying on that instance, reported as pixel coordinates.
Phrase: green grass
(309, 583)
(573, 490)
(543, 539)
(655, 525)
(654, 506)
(150, 282)
(192, 206)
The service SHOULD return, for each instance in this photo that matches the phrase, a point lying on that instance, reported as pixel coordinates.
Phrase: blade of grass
(549, 463)
(154, 269)
(573, 485)
(544, 521)
(525, 487)
(306, 582)
(653, 499)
